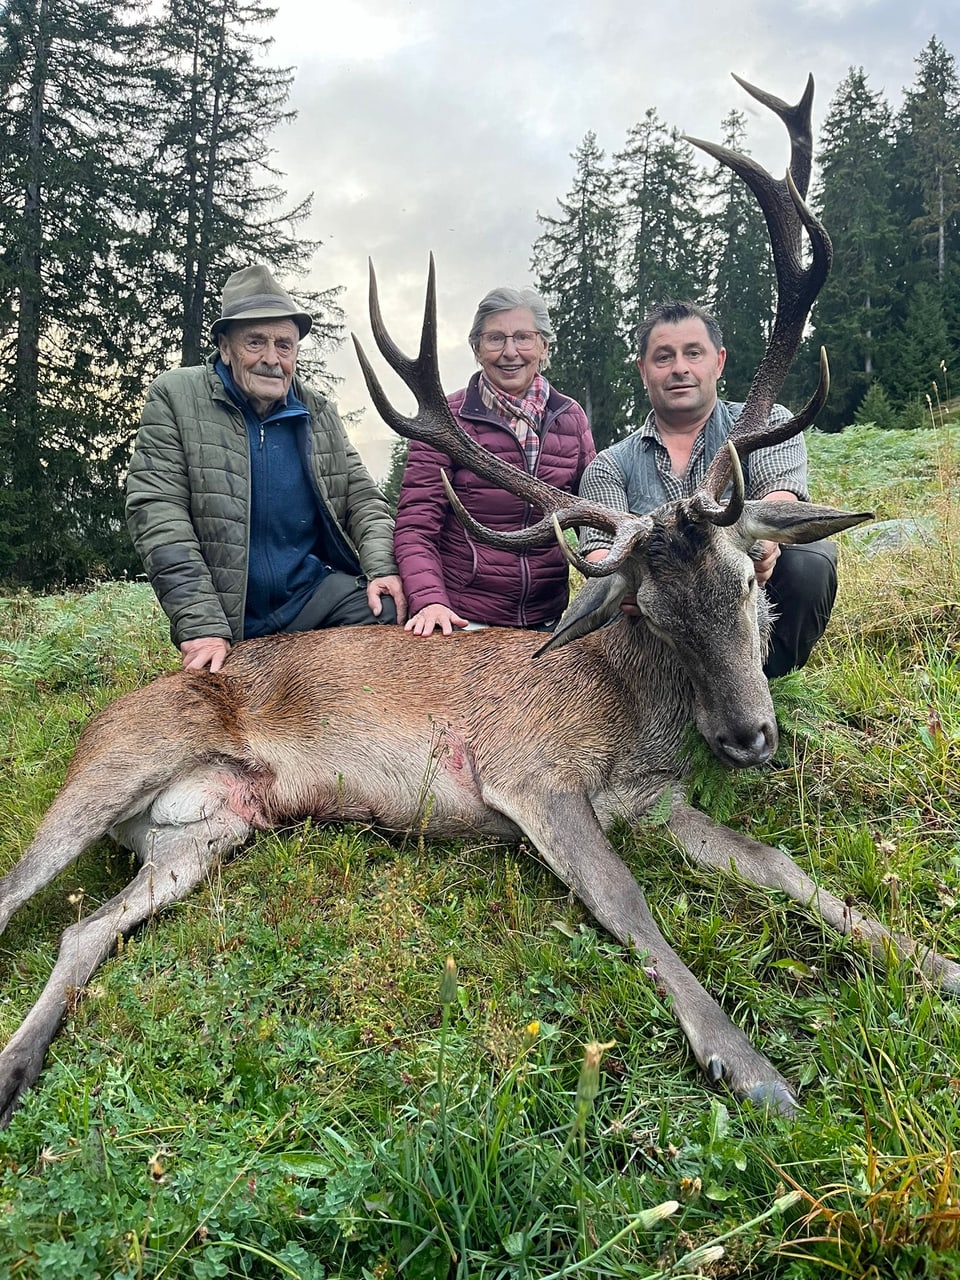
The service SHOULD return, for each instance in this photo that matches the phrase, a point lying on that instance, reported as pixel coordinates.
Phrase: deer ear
(595, 604)
(793, 522)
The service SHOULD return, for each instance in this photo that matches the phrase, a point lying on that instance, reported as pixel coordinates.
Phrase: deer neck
(650, 673)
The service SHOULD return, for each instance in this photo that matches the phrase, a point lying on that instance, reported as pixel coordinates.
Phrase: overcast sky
(447, 125)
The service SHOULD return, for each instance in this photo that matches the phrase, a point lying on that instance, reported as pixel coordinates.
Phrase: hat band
(267, 301)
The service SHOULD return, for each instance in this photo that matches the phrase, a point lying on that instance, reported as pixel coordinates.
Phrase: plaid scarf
(522, 414)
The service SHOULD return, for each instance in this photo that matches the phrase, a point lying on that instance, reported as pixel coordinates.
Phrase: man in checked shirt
(680, 358)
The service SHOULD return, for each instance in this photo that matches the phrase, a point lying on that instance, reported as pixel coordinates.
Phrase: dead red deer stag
(467, 735)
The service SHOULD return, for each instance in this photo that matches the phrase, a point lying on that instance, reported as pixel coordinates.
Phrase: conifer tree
(398, 461)
(852, 315)
(71, 101)
(922, 342)
(928, 142)
(663, 225)
(217, 204)
(574, 260)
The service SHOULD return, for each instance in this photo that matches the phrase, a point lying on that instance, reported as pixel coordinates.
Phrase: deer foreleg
(175, 860)
(570, 840)
(718, 847)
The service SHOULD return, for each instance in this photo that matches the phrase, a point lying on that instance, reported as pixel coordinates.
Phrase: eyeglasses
(524, 340)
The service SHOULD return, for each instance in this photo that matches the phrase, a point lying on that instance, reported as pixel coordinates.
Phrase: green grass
(280, 1078)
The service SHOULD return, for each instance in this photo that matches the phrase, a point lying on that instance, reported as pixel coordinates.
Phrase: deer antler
(434, 424)
(787, 216)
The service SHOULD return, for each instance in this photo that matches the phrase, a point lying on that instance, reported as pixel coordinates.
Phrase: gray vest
(636, 457)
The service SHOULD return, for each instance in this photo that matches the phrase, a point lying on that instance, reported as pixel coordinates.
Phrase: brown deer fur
(474, 734)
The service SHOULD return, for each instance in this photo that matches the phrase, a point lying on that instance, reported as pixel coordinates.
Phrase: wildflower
(448, 983)
(589, 1082)
(650, 1217)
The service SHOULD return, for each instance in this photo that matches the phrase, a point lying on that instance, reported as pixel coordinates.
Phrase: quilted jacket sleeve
(160, 524)
(421, 511)
(352, 496)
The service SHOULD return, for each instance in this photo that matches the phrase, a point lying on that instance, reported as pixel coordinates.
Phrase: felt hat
(253, 294)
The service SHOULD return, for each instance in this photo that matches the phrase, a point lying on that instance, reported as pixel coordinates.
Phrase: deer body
(449, 737)
(486, 733)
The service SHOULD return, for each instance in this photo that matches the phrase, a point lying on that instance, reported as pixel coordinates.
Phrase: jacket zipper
(524, 561)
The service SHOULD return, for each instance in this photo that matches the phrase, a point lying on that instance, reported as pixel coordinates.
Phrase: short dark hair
(672, 312)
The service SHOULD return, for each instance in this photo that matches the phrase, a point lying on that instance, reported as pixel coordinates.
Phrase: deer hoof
(773, 1096)
(714, 1070)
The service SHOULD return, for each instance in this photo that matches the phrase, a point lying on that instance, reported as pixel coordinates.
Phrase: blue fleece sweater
(287, 558)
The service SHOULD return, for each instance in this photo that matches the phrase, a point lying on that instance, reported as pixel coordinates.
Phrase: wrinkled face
(680, 369)
(698, 592)
(510, 350)
(262, 358)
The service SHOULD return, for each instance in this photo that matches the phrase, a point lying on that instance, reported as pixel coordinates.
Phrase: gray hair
(505, 298)
(673, 313)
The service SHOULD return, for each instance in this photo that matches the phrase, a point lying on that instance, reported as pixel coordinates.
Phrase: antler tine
(797, 120)
(434, 424)
(703, 504)
(786, 215)
(411, 370)
(627, 531)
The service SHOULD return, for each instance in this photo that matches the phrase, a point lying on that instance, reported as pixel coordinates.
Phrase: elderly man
(249, 507)
(681, 358)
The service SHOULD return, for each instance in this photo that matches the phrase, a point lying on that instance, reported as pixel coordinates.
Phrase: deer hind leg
(175, 859)
(569, 838)
(126, 756)
(718, 847)
(77, 818)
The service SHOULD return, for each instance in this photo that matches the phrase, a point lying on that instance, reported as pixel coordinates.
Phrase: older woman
(509, 407)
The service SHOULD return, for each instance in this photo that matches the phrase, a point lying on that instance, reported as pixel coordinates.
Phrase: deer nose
(749, 747)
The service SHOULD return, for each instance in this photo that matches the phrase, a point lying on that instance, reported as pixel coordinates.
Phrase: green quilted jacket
(188, 498)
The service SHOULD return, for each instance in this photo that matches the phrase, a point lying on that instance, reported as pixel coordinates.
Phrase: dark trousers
(802, 589)
(341, 601)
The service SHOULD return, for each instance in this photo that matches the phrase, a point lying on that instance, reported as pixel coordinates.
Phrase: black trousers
(802, 588)
(341, 601)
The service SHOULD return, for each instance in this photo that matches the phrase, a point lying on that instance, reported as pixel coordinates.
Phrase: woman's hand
(432, 616)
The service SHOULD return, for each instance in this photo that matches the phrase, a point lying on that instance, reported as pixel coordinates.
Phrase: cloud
(447, 126)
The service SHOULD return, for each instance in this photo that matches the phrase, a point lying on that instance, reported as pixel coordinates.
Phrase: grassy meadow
(285, 1076)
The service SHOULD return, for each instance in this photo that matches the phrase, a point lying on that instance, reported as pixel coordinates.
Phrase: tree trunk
(25, 462)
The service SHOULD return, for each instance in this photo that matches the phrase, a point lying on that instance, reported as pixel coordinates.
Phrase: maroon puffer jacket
(441, 564)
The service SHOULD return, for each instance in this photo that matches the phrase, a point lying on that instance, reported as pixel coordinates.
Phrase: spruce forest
(136, 176)
(651, 223)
